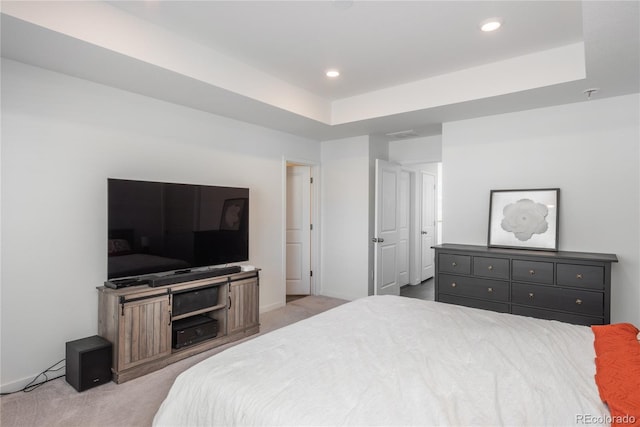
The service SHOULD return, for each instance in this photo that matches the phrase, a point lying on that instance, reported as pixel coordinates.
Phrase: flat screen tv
(159, 227)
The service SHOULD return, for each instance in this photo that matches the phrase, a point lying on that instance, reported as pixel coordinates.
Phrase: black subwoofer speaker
(88, 362)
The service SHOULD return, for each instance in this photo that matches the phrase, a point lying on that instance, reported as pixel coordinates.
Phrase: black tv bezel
(193, 268)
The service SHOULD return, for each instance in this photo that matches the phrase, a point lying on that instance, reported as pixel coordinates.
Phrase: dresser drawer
(586, 303)
(497, 268)
(475, 303)
(532, 271)
(587, 276)
(473, 287)
(449, 263)
(576, 319)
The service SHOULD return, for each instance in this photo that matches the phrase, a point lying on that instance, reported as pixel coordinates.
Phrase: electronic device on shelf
(194, 299)
(125, 283)
(170, 279)
(155, 228)
(192, 275)
(193, 330)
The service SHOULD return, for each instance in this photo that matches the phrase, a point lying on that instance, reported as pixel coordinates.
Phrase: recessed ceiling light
(333, 73)
(491, 24)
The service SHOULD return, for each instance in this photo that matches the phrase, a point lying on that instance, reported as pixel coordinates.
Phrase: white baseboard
(339, 296)
(270, 307)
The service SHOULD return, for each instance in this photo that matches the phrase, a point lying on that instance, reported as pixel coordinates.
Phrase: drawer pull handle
(490, 267)
(453, 285)
(489, 290)
(579, 301)
(531, 295)
(453, 264)
(579, 276)
(532, 272)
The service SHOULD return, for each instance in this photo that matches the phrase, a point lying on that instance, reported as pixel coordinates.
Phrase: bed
(388, 360)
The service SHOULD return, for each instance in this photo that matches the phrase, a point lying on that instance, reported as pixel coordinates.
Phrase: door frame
(379, 235)
(315, 220)
(416, 169)
(298, 250)
(419, 223)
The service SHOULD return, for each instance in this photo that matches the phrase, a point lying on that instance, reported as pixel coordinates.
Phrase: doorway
(298, 231)
(424, 231)
(415, 201)
(427, 225)
(392, 218)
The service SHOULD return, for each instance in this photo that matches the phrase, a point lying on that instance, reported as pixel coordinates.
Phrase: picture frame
(232, 216)
(524, 219)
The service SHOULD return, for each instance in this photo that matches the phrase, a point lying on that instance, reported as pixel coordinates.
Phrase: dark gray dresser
(573, 287)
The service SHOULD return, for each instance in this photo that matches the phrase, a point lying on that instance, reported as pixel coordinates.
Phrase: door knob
(377, 240)
(424, 232)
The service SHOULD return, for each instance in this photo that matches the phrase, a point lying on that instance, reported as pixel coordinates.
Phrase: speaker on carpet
(88, 362)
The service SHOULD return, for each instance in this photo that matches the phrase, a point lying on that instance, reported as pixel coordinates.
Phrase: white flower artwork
(525, 218)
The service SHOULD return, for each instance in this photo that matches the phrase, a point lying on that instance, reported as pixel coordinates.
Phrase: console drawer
(472, 287)
(475, 303)
(586, 303)
(533, 271)
(588, 276)
(576, 319)
(449, 263)
(497, 268)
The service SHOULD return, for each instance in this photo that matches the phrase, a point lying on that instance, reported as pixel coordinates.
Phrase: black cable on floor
(31, 386)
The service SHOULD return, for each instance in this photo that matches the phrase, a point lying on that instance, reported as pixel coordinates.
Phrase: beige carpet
(133, 403)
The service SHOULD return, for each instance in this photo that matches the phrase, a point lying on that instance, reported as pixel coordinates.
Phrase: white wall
(590, 150)
(345, 213)
(61, 138)
(416, 150)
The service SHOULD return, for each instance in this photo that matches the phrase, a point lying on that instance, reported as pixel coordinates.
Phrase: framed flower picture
(524, 219)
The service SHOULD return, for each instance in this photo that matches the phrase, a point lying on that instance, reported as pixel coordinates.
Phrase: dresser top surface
(552, 255)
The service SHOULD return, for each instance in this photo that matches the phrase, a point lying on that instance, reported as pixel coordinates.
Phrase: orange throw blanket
(618, 371)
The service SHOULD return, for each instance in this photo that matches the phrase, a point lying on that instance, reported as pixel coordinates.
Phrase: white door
(386, 229)
(298, 250)
(428, 223)
(404, 218)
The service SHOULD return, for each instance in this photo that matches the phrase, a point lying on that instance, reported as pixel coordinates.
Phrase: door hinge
(311, 180)
(311, 226)
(311, 273)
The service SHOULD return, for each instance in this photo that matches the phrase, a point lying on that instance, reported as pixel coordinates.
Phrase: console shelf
(196, 312)
(138, 320)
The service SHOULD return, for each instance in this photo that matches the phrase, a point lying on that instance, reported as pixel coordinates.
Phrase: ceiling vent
(403, 134)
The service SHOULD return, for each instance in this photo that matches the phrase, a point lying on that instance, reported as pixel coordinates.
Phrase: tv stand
(139, 320)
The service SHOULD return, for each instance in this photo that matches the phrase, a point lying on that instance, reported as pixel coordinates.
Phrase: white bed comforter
(387, 360)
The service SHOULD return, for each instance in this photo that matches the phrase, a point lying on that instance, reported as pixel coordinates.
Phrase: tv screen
(157, 227)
